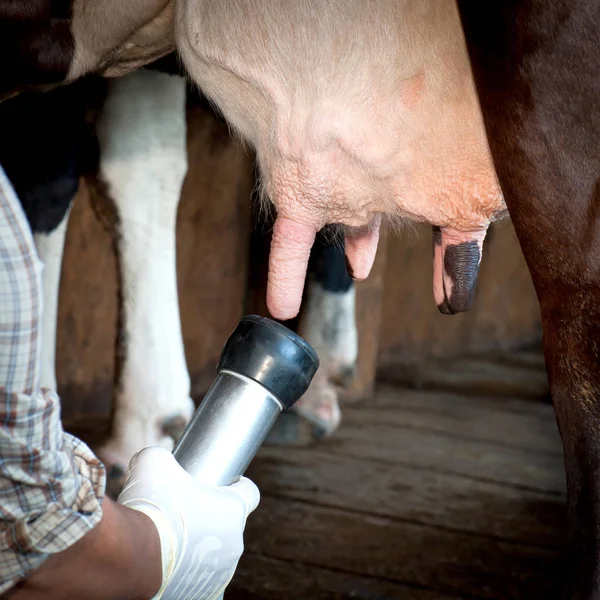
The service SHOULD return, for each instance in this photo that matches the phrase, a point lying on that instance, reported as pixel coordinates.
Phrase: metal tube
(264, 369)
(227, 430)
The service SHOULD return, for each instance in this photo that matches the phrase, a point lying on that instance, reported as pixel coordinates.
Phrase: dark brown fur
(537, 68)
(36, 44)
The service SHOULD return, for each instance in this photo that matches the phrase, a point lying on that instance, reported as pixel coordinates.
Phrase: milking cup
(263, 370)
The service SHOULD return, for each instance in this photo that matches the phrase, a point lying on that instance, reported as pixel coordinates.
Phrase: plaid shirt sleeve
(51, 484)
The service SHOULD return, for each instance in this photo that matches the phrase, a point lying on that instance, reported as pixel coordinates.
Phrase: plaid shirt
(51, 484)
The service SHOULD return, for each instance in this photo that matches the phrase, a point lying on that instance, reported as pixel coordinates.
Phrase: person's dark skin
(119, 559)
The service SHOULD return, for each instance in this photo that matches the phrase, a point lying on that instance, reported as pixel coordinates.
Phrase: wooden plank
(472, 376)
(398, 492)
(399, 552)
(456, 416)
(532, 357)
(483, 461)
(212, 242)
(262, 578)
(391, 396)
(87, 313)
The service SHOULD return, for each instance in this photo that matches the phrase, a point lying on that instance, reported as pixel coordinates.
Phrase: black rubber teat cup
(263, 370)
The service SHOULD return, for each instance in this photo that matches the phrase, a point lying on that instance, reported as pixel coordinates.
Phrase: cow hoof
(345, 377)
(174, 427)
(316, 416)
(320, 407)
(293, 430)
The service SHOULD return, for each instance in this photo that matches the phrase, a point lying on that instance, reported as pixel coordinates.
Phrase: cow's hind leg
(537, 67)
(143, 162)
(328, 323)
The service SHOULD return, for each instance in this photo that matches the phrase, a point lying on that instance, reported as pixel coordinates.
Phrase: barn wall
(87, 314)
(505, 313)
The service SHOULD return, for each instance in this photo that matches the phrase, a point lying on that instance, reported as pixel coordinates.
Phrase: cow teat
(456, 260)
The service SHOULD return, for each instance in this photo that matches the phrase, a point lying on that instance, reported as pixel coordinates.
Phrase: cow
(366, 111)
(142, 160)
(537, 71)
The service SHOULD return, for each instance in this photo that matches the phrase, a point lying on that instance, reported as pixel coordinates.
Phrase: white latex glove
(200, 527)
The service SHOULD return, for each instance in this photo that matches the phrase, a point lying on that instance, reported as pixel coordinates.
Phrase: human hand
(200, 527)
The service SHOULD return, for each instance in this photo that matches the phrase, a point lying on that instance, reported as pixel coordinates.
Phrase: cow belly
(356, 110)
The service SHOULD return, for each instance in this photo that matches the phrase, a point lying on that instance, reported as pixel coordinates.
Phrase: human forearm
(117, 560)
(52, 484)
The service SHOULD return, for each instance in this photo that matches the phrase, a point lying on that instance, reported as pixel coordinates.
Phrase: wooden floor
(422, 494)
(447, 484)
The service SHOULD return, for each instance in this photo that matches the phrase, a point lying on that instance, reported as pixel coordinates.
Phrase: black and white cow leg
(143, 162)
(50, 247)
(328, 323)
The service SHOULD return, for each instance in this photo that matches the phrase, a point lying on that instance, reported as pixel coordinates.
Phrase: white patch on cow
(320, 405)
(50, 248)
(329, 325)
(143, 159)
